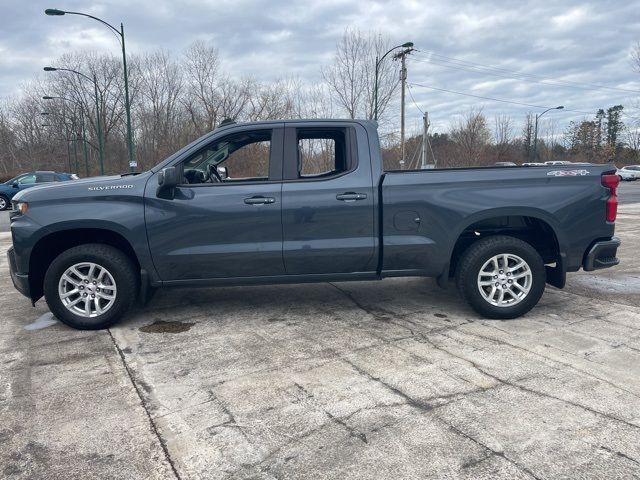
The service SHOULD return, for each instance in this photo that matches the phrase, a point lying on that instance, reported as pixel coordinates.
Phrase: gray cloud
(579, 41)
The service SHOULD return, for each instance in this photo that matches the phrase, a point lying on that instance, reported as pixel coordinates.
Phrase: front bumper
(602, 255)
(20, 280)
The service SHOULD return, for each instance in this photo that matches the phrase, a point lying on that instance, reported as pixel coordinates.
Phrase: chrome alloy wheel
(3, 203)
(505, 280)
(87, 289)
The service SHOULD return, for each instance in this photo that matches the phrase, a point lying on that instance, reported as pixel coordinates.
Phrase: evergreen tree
(614, 126)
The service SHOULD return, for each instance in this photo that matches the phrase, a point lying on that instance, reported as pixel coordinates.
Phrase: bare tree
(351, 76)
(159, 111)
(503, 136)
(472, 136)
(527, 136)
(632, 139)
(202, 71)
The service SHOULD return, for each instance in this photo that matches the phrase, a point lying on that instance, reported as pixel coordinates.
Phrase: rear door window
(323, 152)
(46, 177)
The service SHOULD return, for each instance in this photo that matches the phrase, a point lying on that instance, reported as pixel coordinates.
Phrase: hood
(80, 188)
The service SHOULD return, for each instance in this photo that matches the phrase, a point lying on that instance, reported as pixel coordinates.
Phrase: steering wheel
(212, 172)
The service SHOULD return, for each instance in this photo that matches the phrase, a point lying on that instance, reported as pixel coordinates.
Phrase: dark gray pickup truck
(307, 201)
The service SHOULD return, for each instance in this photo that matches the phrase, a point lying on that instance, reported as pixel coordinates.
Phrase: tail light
(611, 182)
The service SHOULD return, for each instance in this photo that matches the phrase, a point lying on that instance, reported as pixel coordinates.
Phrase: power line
(461, 64)
(412, 99)
(494, 99)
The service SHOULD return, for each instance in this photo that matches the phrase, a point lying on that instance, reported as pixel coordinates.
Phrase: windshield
(14, 179)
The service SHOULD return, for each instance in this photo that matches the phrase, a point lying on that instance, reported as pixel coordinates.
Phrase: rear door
(328, 216)
(224, 220)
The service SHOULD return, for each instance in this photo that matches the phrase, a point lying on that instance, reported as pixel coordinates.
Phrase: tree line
(177, 98)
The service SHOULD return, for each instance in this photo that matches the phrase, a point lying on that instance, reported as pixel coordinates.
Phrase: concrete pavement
(393, 379)
(4, 221)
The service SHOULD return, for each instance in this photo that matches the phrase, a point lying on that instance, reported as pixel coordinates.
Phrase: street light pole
(377, 69)
(127, 104)
(535, 136)
(98, 101)
(127, 107)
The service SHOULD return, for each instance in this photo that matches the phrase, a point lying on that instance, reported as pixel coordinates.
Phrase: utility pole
(425, 139)
(403, 79)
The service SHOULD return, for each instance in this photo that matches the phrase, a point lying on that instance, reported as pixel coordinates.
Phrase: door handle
(351, 196)
(259, 200)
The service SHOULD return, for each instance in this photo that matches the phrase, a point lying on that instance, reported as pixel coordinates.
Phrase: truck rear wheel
(501, 277)
(91, 286)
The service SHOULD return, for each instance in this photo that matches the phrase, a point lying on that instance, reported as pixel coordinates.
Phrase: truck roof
(299, 120)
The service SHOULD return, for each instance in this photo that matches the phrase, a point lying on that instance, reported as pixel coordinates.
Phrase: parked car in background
(505, 164)
(629, 173)
(26, 180)
(533, 164)
(557, 162)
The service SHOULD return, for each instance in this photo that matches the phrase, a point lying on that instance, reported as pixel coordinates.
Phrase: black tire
(482, 251)
(4, 202)
(115, 262)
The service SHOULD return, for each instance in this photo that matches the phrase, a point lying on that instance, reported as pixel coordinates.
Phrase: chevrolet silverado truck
(307, 201)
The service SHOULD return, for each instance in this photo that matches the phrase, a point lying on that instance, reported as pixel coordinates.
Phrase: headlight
(21, 208)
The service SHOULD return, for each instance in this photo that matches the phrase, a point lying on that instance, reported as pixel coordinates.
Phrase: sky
(560, 50)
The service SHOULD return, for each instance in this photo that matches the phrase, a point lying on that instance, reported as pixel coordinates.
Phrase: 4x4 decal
(568, 173)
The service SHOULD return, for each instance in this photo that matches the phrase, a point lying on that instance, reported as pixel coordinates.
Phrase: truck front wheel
(501, 277)
(91, 286)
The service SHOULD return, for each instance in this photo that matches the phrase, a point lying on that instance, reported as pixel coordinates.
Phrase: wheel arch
(48, 247)
(534, 226)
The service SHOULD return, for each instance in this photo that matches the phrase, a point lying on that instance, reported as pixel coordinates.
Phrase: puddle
(160, 326)
(43, 321)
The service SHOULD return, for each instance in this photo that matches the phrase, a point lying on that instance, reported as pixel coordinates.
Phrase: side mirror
(167, 181)
(223, 172)
(15, 184)
(168, 177)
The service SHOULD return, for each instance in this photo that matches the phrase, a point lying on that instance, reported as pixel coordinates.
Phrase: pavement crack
(425, 407)
(538, 354)
(530, 390)
(352, 431)
(232, 422)
(375, 314)
(619, 454)
(152, 424)
(490, 450)
(478, 461)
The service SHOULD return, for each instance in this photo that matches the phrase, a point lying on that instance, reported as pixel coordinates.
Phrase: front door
(328, 215)
(224, 220)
